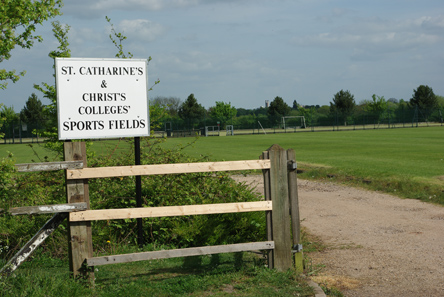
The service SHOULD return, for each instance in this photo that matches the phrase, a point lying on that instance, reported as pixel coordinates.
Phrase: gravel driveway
(379, 244)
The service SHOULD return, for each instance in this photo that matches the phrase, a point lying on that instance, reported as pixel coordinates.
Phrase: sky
(246, 52)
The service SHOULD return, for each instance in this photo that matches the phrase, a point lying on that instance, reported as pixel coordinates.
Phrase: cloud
(376, 37)
(141, 29)
(96, 9)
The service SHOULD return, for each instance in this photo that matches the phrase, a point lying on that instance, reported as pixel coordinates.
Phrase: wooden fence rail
(279, 171)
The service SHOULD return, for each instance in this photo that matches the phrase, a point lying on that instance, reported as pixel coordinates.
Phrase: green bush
(169, 190)
(40, 188)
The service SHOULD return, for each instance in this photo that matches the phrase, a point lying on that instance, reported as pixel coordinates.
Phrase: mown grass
(221, 275)
(407, 162)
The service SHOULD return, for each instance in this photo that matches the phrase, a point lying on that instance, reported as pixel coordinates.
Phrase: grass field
(406, 160)
(411, 152)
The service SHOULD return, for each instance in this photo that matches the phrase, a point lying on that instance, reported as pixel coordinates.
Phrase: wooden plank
(41, 209)
(79, 233)
(294, 209)
(101, 172)
(268, 214)
(293, 199)
(33, 243)
(168, 211)
(49, 166)
(166, 254)
(281, 216)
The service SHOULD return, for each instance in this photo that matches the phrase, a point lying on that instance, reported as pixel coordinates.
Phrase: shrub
(40, 188)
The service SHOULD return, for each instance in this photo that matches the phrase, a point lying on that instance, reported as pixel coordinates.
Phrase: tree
(440, 101)
(171, 104)
(49, 91)
(8, 114)
(223, 112)
(377, 105)
(32, 112)
(343, 103)
(424, 98)
(295, 105)
(18, 20)
(277, 109)
(190, 110)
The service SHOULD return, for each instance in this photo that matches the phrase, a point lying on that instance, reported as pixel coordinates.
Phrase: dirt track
(379, 245)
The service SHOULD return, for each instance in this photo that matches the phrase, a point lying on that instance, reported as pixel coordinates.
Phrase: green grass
(221, 275)
(408, 161)
(412, 152)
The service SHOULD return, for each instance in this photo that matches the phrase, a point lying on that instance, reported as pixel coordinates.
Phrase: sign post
(101, 98)
(104, 98)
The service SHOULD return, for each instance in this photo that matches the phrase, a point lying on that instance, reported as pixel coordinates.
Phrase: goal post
(302, 121)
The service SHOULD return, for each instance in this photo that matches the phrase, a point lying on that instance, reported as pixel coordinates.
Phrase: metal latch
(297, 248)
(292, 165)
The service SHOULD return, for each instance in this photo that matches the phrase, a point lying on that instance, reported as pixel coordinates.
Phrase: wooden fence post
(79, 233)
(281, 216)
(294, 211)
(268, 214)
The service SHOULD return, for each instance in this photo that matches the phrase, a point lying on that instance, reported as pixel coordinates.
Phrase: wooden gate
(281, 202)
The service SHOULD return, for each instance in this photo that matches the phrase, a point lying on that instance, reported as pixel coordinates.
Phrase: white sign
(102, 98)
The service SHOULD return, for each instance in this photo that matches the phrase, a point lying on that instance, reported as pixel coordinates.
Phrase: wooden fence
(280, 206)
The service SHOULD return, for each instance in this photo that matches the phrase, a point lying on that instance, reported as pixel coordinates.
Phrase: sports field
(407, 160)
(412, 152)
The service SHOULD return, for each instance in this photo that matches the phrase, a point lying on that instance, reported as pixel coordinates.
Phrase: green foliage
(6, 172)
(117, 39)
(424, 99)
(42, 188)
(343, 103)
(223, 112)
(191, 110)
(49, 91)
(2, 119)
(377, 105)
(32, 112)
(8, 114)
(168, 190)
(18, 20)
(277, 109)
(170, 104)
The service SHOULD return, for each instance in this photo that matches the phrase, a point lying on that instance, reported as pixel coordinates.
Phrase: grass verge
(239, 274)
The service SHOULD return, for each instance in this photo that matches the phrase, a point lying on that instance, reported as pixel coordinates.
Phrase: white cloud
(141, 30)
(373, 37)
(94, 9)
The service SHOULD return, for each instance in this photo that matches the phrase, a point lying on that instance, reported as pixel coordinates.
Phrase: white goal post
(294, 117)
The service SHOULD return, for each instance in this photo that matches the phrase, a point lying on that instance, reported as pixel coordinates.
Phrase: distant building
(267, 103)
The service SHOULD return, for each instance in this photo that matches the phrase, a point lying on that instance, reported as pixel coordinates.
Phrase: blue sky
(246, 52)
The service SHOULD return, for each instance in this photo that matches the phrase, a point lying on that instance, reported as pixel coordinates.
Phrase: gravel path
(379, 245)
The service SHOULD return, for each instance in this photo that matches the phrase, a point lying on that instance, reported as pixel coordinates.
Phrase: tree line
(175, 114)
(343, 110)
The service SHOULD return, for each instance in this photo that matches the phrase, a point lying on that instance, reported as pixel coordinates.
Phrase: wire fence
(312, 121)
(15, 132)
